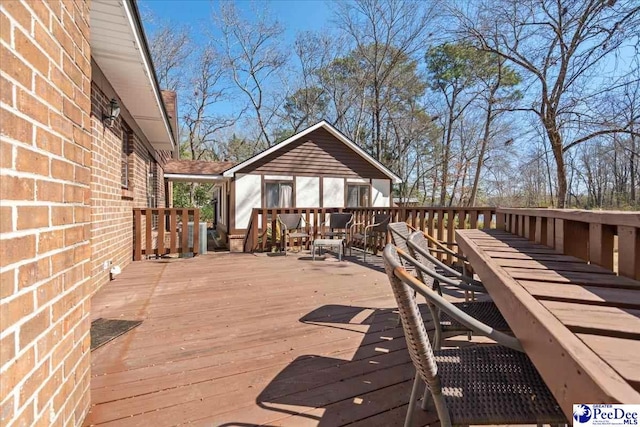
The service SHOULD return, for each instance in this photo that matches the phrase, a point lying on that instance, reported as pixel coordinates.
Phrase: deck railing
(599, 237)
(163, 231)
(438, 222)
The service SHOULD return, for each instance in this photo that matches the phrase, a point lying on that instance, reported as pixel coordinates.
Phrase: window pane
(125, 160)
(272, 194)
(352, 196)
(364, 196)
(286, 195)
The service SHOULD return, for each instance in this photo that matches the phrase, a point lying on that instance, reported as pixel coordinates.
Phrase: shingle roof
(196, 167)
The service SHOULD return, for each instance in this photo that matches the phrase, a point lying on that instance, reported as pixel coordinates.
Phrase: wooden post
(196, 231)
(629, 252)
(538, 234)
(551, 227)
(601, 245)
(185, 231)
(576, 239)
(137, 236)
(148, 236)
(500, 222)
(558, 242)
(473, 219)
(161, 222)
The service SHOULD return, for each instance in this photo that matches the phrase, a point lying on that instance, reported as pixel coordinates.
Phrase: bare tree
(564, 47)
(200, 124)
(252, 55)
(170, 49)
(385, 34)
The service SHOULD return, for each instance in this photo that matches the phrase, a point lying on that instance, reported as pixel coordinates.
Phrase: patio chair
(339, 224)
(444, 325)
(377, 226)
(400, 232)
(493, 384)
(292, 227)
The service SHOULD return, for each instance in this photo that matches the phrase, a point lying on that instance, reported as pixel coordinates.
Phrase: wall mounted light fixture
(114, 111)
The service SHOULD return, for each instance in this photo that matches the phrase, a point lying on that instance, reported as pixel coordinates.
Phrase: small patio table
(320, 243)
(578, 323)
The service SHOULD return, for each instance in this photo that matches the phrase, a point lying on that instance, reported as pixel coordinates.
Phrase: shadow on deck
(243, 340)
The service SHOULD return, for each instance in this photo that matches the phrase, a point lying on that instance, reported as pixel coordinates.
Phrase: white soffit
(118, 48)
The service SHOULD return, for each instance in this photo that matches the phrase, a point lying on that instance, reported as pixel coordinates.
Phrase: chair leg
(412, 400)
(426, 398)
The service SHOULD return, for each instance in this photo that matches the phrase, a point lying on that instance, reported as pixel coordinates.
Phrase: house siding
(45, 175)
(315, 154)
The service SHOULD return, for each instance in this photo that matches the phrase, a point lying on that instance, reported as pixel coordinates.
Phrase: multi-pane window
(357, 196)
(279, 194)
(124, 159)
(152, 200)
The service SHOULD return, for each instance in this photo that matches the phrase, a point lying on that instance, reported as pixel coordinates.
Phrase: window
(279, 194)
(152, 201)
(124, 159)
(357, 196)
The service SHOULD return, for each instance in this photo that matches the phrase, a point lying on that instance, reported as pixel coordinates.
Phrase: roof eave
(119, 47)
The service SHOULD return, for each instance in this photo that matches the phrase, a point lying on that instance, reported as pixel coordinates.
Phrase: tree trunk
(556, 147)
(483, 148)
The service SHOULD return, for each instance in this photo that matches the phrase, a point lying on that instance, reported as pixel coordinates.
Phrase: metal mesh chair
(377, 226)
(494, 384)
(292, 226)
(444, 325)
(400, 232)
(339, 224)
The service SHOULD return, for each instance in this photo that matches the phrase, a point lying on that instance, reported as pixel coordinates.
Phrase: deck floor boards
(243, 339)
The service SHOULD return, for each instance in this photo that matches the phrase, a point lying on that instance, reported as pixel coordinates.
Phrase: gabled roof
(335, 132)
(196, 167)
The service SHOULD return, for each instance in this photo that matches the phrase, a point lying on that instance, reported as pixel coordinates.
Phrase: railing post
(137, 235)
(173, 235)
(196, 231)
(148, 237)
(185, 230)
(629, 252)
(161, 250)
(601, 245)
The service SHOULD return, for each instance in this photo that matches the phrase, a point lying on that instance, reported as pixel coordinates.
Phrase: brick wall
(111, 204)
(45, 160)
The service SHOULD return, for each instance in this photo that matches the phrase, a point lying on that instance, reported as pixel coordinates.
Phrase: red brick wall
(45, 175)
(111, 211)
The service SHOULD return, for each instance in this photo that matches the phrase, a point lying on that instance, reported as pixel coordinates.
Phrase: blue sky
(295, 15)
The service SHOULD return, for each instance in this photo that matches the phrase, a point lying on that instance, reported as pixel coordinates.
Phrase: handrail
(438, 222)
(153, 226)
(588, 235)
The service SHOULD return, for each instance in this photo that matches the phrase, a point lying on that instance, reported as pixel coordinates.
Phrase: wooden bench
(579, 323)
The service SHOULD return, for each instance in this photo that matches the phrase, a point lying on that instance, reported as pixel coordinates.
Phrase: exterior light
(114, 112)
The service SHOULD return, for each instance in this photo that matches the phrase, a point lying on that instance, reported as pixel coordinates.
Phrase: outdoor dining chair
(292, 227)
(372, 230)
(490, 384)
(400, 232)
(338, 224)
(444, 325)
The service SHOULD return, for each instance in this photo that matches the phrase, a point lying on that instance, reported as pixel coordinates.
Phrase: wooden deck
(244, 339)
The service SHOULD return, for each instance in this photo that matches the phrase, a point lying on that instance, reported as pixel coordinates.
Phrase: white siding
(333, 192)
(248, 196)
(307, 191)
(380, 193)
